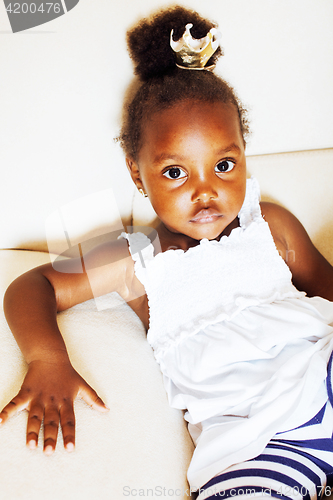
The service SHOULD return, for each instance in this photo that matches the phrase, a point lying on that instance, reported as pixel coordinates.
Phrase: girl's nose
(204, 191)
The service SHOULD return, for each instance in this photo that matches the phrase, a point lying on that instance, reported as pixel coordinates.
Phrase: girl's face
(192, 166)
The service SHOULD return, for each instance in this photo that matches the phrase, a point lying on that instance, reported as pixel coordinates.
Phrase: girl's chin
(208, 230)
(199, 232)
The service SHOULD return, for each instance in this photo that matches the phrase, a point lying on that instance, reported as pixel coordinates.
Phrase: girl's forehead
(191, 131)
(211, 119)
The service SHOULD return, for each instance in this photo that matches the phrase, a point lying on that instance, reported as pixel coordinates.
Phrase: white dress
(240, 348)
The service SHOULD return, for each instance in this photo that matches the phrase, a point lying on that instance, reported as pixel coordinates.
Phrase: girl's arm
(311, 272)
(31, 304)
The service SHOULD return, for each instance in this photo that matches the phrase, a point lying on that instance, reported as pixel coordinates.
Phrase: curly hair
(161, 83)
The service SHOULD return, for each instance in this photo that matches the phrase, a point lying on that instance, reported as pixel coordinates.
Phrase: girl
(242, 348)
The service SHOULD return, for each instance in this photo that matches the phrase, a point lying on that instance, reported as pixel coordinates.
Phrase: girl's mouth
(206, 216)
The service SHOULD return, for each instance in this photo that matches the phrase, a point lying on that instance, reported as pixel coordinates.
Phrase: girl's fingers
(51, 426)
(33, 425)
(92, 399)
(67, 421)
(20, 402)
(55, 409)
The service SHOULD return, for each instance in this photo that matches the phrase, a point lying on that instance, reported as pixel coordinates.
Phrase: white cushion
(140, 444)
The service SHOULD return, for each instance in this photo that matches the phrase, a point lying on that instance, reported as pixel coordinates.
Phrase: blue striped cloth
(295, 464)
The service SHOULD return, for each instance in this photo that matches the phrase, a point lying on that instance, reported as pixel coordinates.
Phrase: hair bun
(149, 41)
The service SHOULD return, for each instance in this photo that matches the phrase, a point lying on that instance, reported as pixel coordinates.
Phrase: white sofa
(141, 447)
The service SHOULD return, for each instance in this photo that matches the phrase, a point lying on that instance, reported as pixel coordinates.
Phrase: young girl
(241, 347)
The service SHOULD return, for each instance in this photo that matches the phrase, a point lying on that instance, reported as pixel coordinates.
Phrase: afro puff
(160, 83)
(149, 41)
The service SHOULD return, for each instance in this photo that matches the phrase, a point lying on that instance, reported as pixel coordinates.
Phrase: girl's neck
(173, 241)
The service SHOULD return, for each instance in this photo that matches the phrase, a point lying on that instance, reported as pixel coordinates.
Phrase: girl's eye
(224, 166)
(174, 173)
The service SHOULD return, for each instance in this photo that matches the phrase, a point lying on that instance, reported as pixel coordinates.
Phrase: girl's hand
(48, 392)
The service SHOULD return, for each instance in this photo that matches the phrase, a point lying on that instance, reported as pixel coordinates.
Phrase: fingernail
(48, 450)
(70, 446)
(106, 407)
(0, 420)
(32, 444)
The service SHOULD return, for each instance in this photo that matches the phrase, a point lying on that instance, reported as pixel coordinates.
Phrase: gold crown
(192, 53)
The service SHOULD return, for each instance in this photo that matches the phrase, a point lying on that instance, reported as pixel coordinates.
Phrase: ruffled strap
(141, 249)
(250, 210)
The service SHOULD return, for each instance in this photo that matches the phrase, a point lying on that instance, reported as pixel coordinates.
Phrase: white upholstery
(140, 444)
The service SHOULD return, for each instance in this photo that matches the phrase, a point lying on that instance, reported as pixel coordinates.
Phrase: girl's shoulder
(280, 222)
(310, 270)
(287, 231)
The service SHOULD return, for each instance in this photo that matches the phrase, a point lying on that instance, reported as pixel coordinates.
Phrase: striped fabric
(294, 465)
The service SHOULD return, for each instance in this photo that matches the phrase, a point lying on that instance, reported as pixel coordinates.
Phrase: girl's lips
(205, 216)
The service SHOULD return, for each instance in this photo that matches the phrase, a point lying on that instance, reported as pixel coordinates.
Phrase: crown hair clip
(193, 53)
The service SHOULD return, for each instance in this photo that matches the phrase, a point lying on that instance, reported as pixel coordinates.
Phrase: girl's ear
(135, 173)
